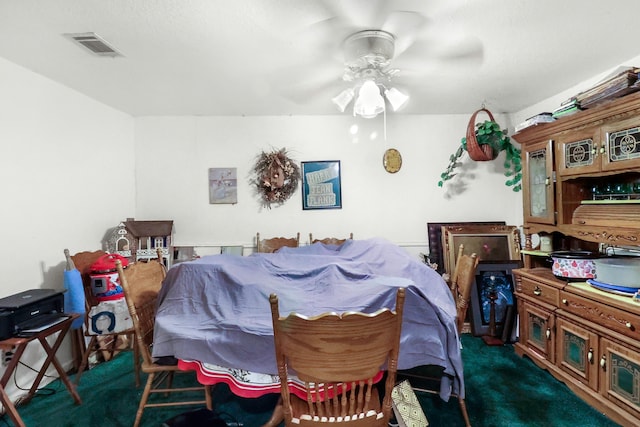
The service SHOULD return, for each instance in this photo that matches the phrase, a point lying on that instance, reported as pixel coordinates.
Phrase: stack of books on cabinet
(570, 106)
(621, 83)
(532, 121)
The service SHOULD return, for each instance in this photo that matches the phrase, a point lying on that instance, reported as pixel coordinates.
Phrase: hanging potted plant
(484, 142)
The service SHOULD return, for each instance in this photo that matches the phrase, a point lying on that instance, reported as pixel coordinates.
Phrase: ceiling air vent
(94, 43)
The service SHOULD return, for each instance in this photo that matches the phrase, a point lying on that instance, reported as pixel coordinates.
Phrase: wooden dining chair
(106, 344)
(461, 282)
(275, 243)
(141, 283)
(329, 240)
(337, 356)
(428, 378)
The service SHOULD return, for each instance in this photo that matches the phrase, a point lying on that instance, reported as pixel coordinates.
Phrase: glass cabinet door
(577, 352)
(538, 188)
(620, 375)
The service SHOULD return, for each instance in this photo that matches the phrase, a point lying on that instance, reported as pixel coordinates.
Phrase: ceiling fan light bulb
(396, 98)
(369, 102)
(343, 99)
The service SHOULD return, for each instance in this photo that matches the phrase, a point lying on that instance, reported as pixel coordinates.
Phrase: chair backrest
(141, 283)
(329, 240)
(275, 243)
(461, 282)
(342, 353)
(83, 262)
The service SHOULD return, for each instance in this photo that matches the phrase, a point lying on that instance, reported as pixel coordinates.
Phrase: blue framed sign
(321, 188)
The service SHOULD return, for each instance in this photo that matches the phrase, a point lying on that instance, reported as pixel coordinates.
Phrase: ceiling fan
(379, 46)
(368, 54)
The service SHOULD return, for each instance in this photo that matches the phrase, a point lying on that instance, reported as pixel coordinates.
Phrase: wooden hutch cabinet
(581, 187)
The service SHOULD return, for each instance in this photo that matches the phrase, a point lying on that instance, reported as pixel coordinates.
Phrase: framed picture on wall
(488, 242)
(223, 186)
(321, 186)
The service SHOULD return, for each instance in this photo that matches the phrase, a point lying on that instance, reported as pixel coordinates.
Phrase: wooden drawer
(540, 291)
(621, 321)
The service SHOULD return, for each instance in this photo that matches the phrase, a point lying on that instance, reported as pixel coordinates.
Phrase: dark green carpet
(502, 390)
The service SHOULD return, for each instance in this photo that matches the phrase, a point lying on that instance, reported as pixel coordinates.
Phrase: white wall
(375, 203)
(66, 173)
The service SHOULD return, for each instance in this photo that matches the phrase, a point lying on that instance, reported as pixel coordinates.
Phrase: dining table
(214, 316)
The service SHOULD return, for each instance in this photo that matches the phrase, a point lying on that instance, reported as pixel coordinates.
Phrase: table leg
(12, 365)
(8, 405)
(65, 379)
(278, 415)
(10, 409)
(51, 358)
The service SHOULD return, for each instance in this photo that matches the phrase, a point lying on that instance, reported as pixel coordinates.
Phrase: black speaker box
(198, 418)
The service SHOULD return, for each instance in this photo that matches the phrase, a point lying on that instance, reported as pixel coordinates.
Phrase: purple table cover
(216, 309)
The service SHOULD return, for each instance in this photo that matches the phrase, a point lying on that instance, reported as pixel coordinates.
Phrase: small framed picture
(223, 186)
(321, 187)
(493, 280)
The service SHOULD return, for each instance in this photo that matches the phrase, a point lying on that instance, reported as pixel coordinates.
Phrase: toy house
(140, 240)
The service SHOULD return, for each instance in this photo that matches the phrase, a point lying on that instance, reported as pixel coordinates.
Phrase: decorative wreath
(276, 177)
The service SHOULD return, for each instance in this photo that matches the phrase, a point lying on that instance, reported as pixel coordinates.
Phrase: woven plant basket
(479, 153)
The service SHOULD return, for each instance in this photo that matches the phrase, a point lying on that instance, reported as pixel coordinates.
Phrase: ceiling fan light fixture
(344, 98)
(396, 98)
(369, 102)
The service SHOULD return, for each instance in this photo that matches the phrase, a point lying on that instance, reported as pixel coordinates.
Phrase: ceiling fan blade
(359, 14)
(426, 55)
(323, 36)
(306, 94)
(465, 48)
(405, 27)
(302, 83)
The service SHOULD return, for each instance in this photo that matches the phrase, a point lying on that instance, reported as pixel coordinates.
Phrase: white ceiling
(281, 57)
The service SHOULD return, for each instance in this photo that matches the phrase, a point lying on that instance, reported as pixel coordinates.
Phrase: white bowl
(622, 271)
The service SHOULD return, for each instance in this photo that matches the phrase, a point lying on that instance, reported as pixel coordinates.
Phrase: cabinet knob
(537, 291)
(548, 333)
(564, 301)
(628, 325)
(590, 356)
(602, 150)
(547, 181)
(603, 362)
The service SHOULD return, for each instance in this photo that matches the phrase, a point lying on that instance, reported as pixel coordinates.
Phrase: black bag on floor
(198, 418)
